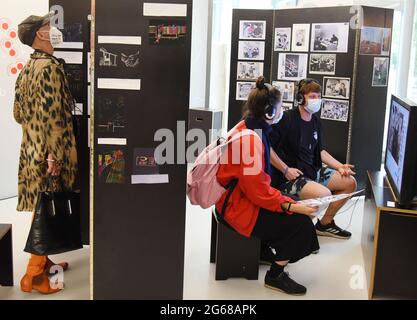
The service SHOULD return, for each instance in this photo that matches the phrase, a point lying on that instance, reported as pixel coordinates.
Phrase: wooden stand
(389, 243)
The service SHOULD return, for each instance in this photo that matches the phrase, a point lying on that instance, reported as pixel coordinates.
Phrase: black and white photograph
(252, 30)
(338, 88)
(322, 63)
(249, 71)
(287, 106)
(252, 50)
(292, 66)
(335, 110)
(381, 71)
(300, 37)
(330, 37)
(371, 41)
(386, 42)
(282, 39)
(286, 88)
(243, 90)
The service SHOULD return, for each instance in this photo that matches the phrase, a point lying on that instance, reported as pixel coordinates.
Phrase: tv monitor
(401, 155)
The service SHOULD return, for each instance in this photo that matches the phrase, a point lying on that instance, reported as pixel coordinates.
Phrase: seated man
(299, 156)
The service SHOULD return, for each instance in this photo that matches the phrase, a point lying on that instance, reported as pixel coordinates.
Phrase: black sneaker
(332, 231)
(267, 256)
(284, 284)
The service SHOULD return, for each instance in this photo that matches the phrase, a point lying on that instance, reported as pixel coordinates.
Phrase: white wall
(10, 133)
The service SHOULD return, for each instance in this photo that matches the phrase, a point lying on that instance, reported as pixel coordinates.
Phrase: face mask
(313, 106)
(278, 119)
(55, 37)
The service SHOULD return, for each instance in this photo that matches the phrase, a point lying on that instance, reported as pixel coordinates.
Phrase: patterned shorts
(293, 188)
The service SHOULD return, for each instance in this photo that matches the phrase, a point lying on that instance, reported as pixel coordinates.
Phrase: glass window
(412, 84)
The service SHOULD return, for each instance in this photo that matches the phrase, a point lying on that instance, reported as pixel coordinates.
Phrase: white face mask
(55, 37)
(278, 118)
(313, 106)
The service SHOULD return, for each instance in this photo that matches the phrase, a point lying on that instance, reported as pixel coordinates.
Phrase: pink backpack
(203, 189)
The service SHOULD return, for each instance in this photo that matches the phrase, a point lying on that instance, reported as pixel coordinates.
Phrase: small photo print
(338, 88)
(300, 37)
(292, 66)
(330, 37)
(167, 32)
(287, 106)
(111, 167)
(371, 41)
(282, 39)
(243, 90)
(252, 50)
(249, 71)
(386, 42)
(286, 88)
(335, 110)
(252, 30)
(381, 71)
(144, 162)
(322, 64)
(111, 114)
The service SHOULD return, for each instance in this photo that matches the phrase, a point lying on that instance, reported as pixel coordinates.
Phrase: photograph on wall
(162, 32)
(292, 66)
(111, 167)
(72, 32)
(76, 78)
(286, 88)
(397, 140)
(371, 41)
(111, 114)
(144, 162)
(338, 88)
(381, 71)
(243, 90)
(386, 42)
(330, 37)
(322, 63)
(251, 50)
(282, 39)
(249, 71)
(300, 37)
(252, 30)
(107, 58)
(335, 110)
(130, 60)
(287, 106)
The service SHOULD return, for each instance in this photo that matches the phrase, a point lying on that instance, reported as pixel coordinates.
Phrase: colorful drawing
(111, 167)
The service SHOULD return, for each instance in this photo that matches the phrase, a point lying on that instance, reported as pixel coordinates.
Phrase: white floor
(327, 275)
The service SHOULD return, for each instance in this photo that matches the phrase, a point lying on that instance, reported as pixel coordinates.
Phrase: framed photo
(249, 71)
(252, 50)
(338, 88)
(386, 42)
(335, 110)
(287, 90)
(292, 66)
(252, 30)
(243, 90)
(282, 39)
(300, 37)
(287, 106)
(371, 41)
(330, 37)
(381, 72)
(321, 63)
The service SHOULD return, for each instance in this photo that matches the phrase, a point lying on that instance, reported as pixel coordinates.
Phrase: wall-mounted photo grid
(310, 51)
(251, 56)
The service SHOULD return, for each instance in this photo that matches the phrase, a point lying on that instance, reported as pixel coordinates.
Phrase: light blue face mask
(313, 105)
(278, 119)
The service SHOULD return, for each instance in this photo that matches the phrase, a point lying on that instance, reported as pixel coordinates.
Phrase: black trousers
(293, 237)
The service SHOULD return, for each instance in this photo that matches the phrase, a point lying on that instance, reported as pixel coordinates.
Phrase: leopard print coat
(43, 107)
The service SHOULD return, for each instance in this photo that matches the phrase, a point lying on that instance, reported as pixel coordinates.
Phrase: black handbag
(56, 226)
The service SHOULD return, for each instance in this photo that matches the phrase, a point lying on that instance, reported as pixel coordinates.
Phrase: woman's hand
(293, 174)
(302, 209)
(53, 168)
(346, 170)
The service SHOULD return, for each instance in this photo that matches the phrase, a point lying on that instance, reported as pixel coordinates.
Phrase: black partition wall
(142, 78)
(356, 134)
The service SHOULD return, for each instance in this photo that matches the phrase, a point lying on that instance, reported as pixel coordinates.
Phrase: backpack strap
(230, 187)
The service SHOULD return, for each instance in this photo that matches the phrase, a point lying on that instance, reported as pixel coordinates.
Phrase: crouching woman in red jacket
(255, 209)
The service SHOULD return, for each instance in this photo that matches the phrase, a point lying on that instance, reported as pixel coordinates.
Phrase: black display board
(139, 230)
(359, 138)
(77, 29)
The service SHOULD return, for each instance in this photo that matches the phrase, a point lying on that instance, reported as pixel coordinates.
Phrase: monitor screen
(397, 141)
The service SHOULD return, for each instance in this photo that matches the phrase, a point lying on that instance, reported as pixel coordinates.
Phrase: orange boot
(36, 278)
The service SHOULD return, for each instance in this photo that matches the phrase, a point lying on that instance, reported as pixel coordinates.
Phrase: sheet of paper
(120, 40)
(79, 109)
(89, 100)
(89, 131)
(71, 45)
(119, 84)
(70, 57)
(391, 204)
(321, 202)
(150, 179)
(112, 141)
(164, 10)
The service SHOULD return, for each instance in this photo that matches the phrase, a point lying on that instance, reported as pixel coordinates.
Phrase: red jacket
(253, 192)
